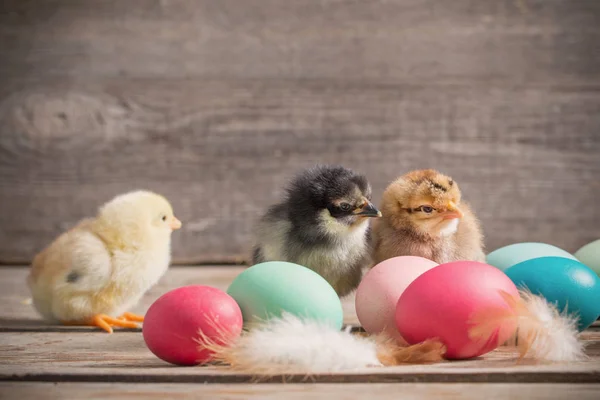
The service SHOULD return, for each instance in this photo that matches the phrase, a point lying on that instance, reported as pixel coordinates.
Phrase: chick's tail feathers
(542, 332)
(291, 345)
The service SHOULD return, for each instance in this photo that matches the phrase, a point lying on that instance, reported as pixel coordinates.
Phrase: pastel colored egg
(590, 255)
(442, 303)
(570, 285)
(268, 289)
(171, 325)
(380, 289)
(507, 256)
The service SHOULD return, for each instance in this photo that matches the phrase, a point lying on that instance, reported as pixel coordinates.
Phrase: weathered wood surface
(123, 357)
(33, 351)
(527, 160)
(505, 41)
(216, 104)
(406, 391)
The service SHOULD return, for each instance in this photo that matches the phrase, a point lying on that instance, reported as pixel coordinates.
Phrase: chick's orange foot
(132, 317)
(107, 322)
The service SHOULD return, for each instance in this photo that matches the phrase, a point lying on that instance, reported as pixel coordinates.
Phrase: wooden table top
(50, 362)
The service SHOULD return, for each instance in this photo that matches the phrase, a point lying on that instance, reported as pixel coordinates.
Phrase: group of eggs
(415, 299)
(409, 298)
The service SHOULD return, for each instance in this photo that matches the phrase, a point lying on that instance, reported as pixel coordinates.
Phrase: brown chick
(94, 273)
(424, 215)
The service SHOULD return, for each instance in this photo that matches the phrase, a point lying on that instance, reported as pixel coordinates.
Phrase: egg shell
(268, 289)
(567, 283)
(590, 255)
(381, 287)
(441, 302)
(171, 325)
(507, 256)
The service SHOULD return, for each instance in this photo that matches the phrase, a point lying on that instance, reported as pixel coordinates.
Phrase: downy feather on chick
(424, 215)
(322, 224)
(95, 272)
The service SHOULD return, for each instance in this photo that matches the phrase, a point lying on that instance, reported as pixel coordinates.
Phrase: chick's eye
(164, 218)
(427, 209)
(345, 207)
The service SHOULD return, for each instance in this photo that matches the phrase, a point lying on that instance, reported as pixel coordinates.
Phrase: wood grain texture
(123, 357)
(526, 158)
(31, 351)
(217, 104)
(383, 391)
(515, 41)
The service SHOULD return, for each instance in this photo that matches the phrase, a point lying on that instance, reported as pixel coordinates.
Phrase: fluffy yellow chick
(98, 270)
(424, 215)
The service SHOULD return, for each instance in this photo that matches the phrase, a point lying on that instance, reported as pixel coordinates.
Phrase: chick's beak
(175, 223)
(452, 212)
(367, 210)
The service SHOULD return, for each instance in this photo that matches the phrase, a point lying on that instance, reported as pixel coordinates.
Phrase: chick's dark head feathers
(325, 193)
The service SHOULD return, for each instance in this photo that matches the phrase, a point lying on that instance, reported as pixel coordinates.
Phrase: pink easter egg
(172, 323)
(442, 302)
(380, 289)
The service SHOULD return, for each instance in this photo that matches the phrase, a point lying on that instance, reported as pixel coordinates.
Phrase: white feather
(555, 336)
(291, 343)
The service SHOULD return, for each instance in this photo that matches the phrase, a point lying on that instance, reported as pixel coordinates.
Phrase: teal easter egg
(567, 283)
(510, 255)
(268, 289)
(590, 255)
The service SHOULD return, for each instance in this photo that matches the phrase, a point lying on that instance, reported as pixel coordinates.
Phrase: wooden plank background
(216, 103)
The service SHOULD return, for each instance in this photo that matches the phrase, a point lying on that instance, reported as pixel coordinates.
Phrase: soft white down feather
(542, 332)
(549, 334)
(302, 345)
(293, 345)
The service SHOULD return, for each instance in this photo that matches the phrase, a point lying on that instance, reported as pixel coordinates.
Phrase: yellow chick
(424, 215)
(98, 270)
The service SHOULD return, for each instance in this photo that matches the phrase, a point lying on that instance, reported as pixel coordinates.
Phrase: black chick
(322, 224)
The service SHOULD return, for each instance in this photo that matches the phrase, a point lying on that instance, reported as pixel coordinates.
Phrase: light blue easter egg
(570, 285)
(507, 256)
(269, 289)
(590, 255)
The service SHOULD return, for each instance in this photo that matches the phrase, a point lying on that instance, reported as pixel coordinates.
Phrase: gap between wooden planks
(123, 357)
(384, 391)
(34, 351)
